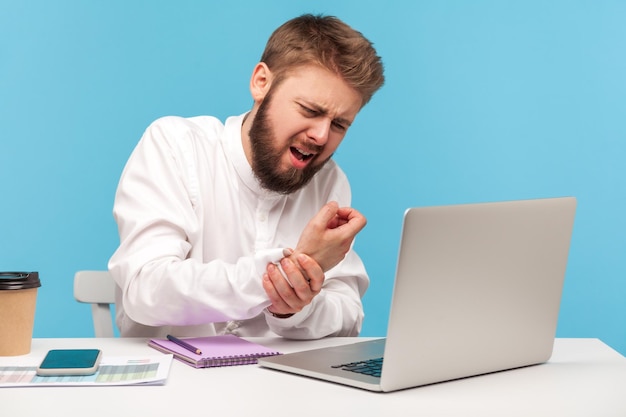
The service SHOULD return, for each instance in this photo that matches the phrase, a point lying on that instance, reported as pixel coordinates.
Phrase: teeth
(302, 155)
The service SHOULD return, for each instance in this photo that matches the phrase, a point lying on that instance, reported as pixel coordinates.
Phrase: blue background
(484, 101)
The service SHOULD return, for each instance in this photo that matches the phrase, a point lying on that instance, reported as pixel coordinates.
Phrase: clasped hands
(324, 243)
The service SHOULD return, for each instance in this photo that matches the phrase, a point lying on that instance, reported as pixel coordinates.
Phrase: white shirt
(197, 232)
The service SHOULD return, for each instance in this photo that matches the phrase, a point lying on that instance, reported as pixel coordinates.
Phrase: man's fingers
(326, 214)
(313, 272)
(281, 293)
(349, 216)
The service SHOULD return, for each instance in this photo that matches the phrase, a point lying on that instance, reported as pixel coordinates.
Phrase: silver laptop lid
(477, 289)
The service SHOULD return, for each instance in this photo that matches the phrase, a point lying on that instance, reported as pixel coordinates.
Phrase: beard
(266, 156)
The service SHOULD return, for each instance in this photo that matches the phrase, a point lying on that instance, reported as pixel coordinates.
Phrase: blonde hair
(329, 42)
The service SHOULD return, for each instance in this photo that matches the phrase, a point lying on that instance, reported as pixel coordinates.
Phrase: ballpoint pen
(184, 344)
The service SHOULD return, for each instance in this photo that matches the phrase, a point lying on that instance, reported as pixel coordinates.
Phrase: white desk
(585, 377)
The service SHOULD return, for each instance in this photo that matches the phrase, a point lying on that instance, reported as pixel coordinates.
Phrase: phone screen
(70, 362)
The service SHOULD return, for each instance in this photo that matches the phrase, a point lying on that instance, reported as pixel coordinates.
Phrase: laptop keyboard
(368, 367)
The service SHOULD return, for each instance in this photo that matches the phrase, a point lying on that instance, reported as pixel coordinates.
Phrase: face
(298, 126)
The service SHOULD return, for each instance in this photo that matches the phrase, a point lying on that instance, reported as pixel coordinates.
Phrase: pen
(184, 344)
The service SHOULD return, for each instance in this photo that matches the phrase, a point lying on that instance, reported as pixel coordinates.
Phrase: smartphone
(62, 362)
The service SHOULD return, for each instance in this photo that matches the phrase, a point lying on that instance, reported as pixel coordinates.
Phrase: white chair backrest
(98, 289)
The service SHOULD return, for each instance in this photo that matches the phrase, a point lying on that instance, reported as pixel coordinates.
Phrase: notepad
(222, 350)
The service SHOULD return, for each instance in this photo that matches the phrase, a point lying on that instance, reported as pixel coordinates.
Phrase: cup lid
(19, 280)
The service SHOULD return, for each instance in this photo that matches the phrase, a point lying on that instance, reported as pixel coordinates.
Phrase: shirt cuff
(267, 256)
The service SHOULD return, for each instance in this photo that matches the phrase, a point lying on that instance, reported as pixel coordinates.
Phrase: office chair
(98, 289)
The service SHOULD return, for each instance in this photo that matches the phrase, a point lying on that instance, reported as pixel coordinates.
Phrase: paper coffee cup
(18, 296)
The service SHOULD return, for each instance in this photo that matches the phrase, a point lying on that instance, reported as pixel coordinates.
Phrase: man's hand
(304, 281)
(328, 236)
(324, 243)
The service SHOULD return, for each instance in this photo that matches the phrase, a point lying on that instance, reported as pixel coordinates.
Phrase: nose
(319, 130)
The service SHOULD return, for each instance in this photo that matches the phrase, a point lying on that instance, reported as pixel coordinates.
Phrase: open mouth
(300, 154)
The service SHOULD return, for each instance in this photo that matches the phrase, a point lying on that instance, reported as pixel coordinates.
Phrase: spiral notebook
(222, 350)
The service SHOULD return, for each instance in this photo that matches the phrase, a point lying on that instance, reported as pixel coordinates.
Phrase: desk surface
(584, 377)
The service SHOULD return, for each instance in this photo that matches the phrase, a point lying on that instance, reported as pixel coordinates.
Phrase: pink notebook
(223, 350)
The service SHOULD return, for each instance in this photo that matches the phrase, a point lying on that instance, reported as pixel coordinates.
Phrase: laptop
(477, 290)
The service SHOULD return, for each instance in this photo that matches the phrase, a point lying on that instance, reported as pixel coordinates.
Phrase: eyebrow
(324, 111)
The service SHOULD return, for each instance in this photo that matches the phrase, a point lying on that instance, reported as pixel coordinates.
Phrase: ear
(260, 82)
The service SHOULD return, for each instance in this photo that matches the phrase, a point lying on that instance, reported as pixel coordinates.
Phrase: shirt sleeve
(161, 283)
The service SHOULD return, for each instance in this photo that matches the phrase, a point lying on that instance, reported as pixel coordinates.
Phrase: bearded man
(245, 227)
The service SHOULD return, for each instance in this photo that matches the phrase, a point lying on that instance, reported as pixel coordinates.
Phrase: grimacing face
(298, 126)
(266, 156)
